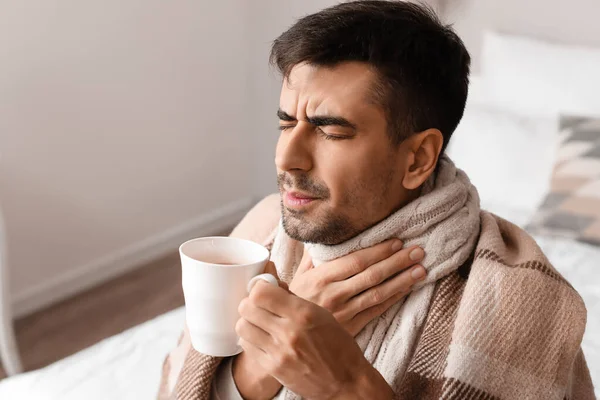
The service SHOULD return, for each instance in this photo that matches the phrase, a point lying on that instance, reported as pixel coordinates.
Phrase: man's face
(338, 171)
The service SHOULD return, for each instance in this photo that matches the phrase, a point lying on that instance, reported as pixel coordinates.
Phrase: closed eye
(323, 134)
(319, 122)
(332, 137)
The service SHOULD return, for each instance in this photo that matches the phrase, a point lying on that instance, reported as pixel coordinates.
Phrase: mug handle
(265, 277)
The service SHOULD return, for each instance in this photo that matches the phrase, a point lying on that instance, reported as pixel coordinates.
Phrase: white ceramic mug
(217, 273)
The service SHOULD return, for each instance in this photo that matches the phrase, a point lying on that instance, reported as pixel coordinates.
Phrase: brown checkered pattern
(572, 208)
(509, 327)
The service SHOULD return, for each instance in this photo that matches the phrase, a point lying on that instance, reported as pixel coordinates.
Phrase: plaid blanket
(506, 325)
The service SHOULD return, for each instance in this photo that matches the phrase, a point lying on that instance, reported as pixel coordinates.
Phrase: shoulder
(518, 291)
(506, 245)
(506, 249)
(261, 221)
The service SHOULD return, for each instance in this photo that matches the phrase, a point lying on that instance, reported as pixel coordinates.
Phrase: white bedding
(127, 366)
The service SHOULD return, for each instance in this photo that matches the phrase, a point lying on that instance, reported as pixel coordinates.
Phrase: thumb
(305, 264)
(271, 269)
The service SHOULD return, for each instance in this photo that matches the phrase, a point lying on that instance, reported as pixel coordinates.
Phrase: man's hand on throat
(360, 286)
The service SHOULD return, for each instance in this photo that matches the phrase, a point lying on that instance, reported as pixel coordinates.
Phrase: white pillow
(529, 76)
(508, 157)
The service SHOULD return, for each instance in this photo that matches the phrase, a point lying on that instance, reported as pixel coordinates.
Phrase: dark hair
(423, 66)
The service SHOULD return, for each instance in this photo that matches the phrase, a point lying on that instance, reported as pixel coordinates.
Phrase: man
(399, 285)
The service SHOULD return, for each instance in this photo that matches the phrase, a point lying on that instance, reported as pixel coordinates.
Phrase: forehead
(343, 89)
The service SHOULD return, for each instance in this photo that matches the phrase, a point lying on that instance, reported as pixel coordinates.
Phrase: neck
(442, 218)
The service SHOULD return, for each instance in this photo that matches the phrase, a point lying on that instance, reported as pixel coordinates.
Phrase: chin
(328, 231)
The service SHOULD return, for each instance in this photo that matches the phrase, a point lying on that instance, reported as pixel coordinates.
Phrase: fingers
(274, 299)
(260, 317)
(401, 283)
(263, 359)
(363, 318)
(254, 353)
(306, 263)
(253, 334)
(271, 269)
(255, 325)
(355, 263)
(385, 269)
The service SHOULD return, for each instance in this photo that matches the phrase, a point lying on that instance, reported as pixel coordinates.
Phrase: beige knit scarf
(444, 221)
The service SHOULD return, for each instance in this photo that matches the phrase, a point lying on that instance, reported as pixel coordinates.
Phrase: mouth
(298, 199)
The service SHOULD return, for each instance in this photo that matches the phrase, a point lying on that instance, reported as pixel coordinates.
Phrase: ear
(423, 152)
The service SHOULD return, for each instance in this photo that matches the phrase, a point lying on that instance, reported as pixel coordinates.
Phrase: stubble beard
(330, 230)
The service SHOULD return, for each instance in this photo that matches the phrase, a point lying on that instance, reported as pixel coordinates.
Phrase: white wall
(127, 126)
(123, 130)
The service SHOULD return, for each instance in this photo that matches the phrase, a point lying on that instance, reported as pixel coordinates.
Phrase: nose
(294, 149)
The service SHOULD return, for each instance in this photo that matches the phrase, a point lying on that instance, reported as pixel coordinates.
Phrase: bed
(125, 366)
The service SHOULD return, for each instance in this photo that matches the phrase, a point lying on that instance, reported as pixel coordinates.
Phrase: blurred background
(128, 127)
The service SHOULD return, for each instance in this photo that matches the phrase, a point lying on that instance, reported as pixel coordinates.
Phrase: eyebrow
(319, 120)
